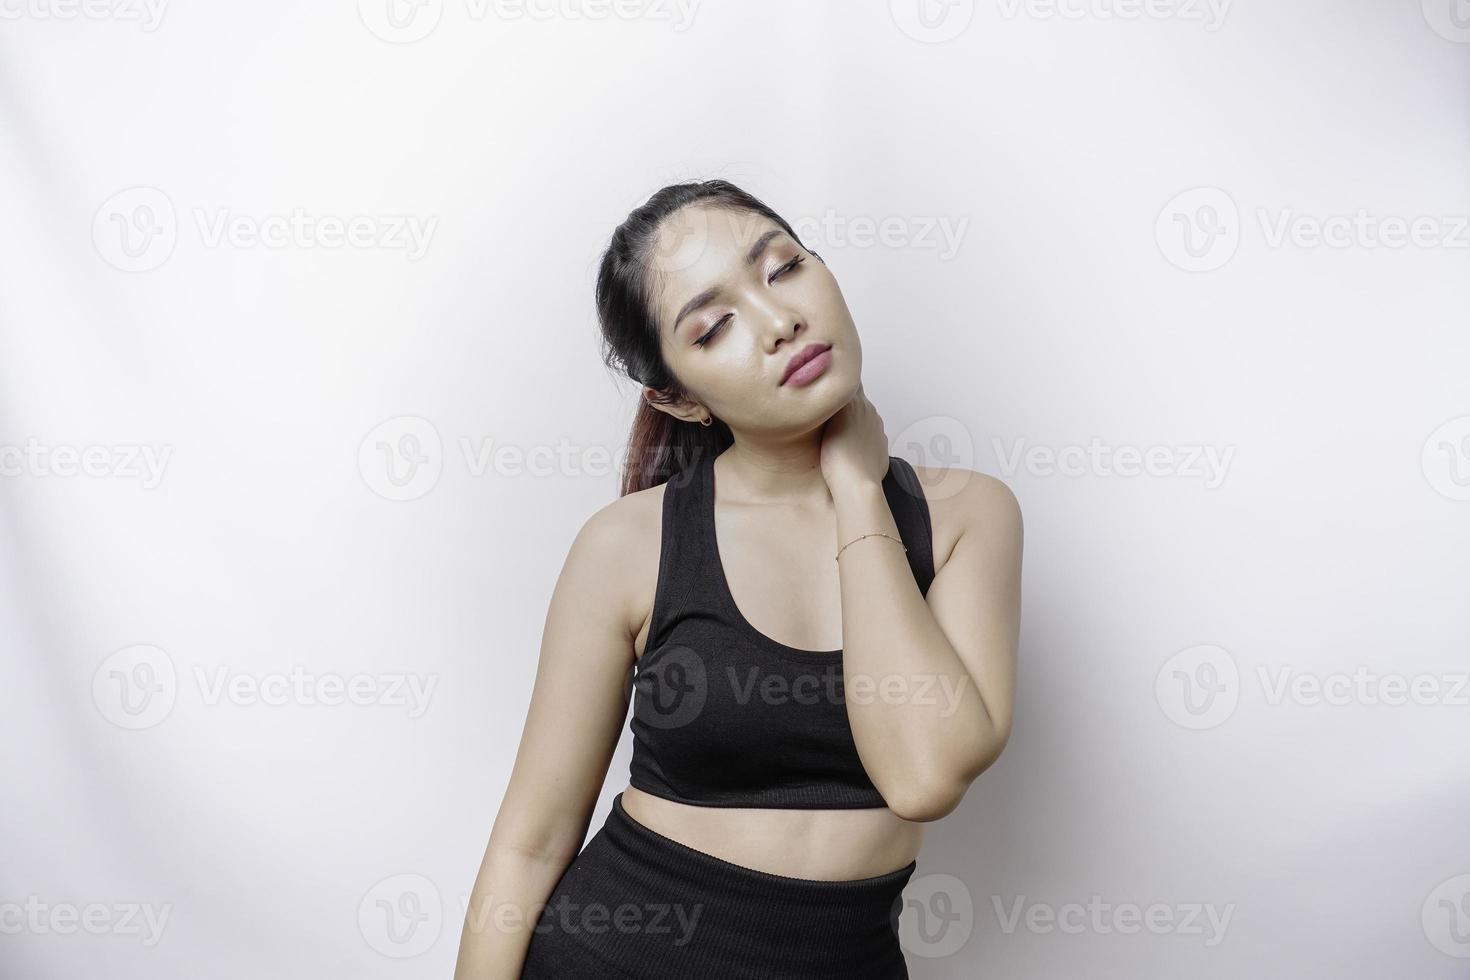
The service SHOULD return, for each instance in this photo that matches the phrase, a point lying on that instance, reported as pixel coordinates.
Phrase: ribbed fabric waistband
(725, 920)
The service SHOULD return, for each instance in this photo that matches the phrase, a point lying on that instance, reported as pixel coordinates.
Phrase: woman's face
(736, 298)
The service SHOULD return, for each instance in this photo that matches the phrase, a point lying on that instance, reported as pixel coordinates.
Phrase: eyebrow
(713, 293)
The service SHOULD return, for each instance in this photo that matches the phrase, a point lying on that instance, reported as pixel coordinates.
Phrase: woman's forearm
(510, 891)
(920, 720)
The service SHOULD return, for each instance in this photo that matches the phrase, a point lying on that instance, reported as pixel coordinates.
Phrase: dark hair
(659, 445)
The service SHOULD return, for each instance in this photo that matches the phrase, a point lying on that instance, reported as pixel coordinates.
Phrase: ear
(681, 408)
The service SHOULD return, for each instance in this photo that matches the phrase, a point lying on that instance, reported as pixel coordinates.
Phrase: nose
(782, 327)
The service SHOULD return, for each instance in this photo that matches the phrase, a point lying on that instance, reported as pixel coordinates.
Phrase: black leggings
(636, 905)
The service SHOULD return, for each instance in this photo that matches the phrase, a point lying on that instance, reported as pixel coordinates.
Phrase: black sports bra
(724, 715)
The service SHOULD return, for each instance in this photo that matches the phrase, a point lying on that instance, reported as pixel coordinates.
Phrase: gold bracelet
(873, 534)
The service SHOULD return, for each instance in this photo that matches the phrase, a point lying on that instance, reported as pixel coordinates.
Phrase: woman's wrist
(855, 492)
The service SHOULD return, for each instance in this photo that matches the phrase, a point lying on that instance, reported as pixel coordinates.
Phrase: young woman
(797, 720)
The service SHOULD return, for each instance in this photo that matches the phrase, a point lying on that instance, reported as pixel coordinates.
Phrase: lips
(801, 357)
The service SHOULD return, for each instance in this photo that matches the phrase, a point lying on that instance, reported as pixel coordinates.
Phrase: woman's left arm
(930, 681)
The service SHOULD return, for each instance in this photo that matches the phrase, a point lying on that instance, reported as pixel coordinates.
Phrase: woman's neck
(789, 472)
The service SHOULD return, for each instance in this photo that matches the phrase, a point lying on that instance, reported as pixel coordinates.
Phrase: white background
(294, 839)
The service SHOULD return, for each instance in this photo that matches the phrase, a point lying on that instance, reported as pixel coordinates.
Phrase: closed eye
(720, 323)
(788, 267)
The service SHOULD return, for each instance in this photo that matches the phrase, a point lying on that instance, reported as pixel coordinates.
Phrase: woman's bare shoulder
(959, 498)
(620, 542)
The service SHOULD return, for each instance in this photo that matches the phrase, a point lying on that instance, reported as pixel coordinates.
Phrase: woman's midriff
(827, 845)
